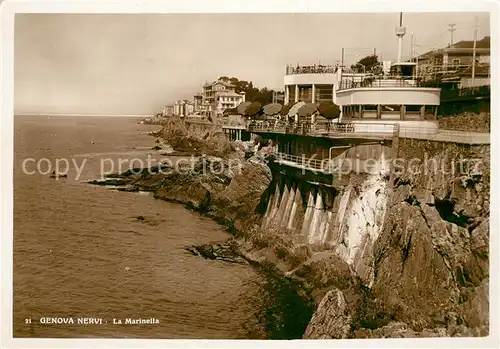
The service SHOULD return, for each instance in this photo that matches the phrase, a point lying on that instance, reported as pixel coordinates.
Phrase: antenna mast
(400, 32)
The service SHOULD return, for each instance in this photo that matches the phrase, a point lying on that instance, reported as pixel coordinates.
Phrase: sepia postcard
(248, 171)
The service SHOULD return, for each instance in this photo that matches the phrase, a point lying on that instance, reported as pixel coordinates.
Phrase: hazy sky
(136, 63)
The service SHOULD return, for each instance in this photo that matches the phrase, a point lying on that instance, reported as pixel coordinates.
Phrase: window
(456, 61)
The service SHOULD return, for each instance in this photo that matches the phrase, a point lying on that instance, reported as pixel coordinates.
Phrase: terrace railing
(311, 164)
(379, 81)
(327, 129)
(311, 69)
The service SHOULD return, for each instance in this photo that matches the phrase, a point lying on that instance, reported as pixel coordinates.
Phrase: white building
(183, 108)
(219, 96)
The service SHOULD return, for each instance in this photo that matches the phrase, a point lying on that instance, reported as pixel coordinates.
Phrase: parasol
(242, 107)
(293, 110)
(272, 109)
(231, 111)
(329, 110)
(253, 109)
(286, 108)
(307, 110)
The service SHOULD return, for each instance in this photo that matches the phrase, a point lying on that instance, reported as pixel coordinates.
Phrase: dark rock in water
(113, 182)
(58, 176)
(97, 182)
(129, 189)
(160, 168)
(223, 252)
(148, 220)
(156, 147)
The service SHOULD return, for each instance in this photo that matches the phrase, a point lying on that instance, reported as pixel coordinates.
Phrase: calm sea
(79, 251)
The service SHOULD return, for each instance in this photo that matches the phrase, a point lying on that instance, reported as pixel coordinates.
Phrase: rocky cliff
(431, 258)
(408, 258)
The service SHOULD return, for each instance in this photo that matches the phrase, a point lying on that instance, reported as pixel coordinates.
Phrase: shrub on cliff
(467, 121)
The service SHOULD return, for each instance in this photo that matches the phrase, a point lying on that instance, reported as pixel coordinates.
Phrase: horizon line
(77, 114)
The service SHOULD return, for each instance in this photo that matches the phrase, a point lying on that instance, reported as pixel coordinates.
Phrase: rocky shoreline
(430, 259)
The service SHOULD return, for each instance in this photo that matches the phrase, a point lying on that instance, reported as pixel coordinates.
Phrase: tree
(369, 62)
(253, 94)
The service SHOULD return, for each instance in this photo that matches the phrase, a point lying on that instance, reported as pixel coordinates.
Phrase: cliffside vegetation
(467, 121)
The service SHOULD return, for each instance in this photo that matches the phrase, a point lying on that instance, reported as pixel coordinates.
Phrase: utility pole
(451, 29)
(474, 53)
(416, 60)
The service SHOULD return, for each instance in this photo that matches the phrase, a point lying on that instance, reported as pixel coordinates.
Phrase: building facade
(168, 110)
(219, 96)
(183, 108)
(279, 97)
(454, 58)
(310, 84)
(392, 95)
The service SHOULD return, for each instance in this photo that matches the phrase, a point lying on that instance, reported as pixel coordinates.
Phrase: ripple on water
(73, 244)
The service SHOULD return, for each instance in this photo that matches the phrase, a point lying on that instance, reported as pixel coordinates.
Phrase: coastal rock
(323, 270)
(423, 272)
(477, 264)
(423, 263)
(397, 329)
(226, 252)
(237, 202)
(475, 310)
(411, 275)
(331, 320)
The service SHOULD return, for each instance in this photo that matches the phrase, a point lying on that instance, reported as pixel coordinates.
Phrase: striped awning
(294, 110)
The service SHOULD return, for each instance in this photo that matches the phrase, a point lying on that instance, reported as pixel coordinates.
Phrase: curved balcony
(389, 96)
(311, 75)
(311, 79)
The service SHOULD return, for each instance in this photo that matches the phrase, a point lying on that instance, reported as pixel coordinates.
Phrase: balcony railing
(312, 69)
(380, 82)
(323, 165)
(326, 129)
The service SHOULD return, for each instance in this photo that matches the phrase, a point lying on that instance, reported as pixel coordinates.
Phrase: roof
(483, 43)
(461, 46)
(479, 70)
(223, 83)
(219, 82)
